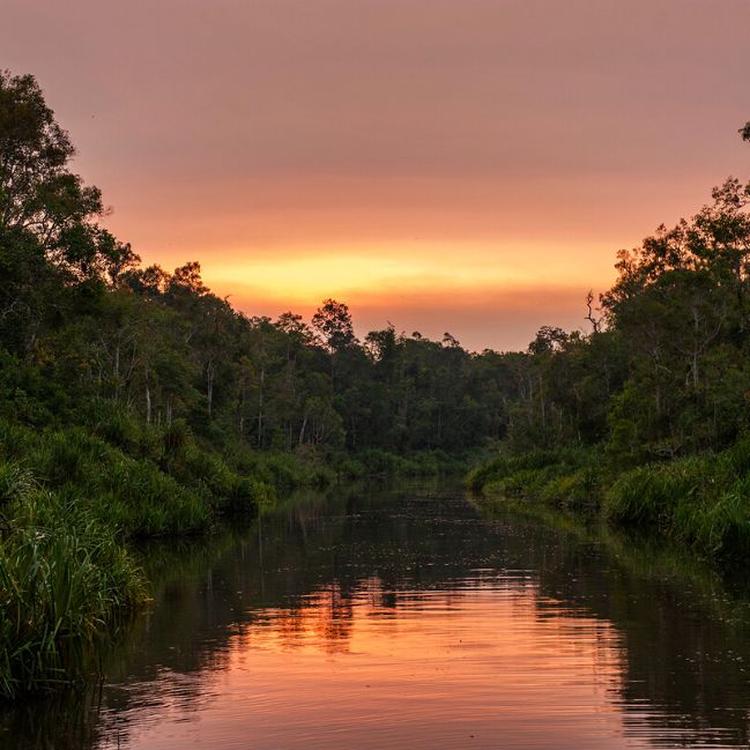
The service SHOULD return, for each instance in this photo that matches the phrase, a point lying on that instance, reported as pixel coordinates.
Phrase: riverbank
(279, 597)
(701, 501)
(73, 499)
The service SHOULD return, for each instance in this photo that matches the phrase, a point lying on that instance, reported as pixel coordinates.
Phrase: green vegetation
(701, 500)
(69, 503)
(63, 576)
(569, 478)
(375, 462)
(136, 403)
(652, 405)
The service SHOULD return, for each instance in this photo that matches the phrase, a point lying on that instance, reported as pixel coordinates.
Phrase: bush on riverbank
(565, 477)
(374, 462)
(63, 577)
(150, 481)
(702, 500)
(131, 495)
(71, 498)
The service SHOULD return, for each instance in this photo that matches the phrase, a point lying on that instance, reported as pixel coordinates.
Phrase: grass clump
(565, 477)
(703, 501)
(71, 499)
(280, 472)
(130, 494)
(64, 577)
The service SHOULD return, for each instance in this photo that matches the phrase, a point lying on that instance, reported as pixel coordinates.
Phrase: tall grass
(131, 495)
(702, 501)
(284, 471)
(63, 578)
(70, 500)
(564, 477)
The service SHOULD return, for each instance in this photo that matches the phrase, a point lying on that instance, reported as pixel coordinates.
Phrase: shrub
(703, 501)
(649, 495)
(558, 477)
(63, 578)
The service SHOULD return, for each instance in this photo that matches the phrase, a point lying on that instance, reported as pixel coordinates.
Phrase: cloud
(379, 147)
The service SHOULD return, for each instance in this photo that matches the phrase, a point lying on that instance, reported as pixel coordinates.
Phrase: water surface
(409, 618)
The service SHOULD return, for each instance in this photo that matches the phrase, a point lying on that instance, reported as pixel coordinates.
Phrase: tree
(332, 322)
(39, 195)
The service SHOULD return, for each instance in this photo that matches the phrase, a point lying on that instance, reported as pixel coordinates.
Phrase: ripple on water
(382, 621)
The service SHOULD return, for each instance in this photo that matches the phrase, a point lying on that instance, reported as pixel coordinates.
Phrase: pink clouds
(526, 140)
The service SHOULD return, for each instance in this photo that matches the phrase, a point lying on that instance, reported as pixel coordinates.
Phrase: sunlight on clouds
(418, 269)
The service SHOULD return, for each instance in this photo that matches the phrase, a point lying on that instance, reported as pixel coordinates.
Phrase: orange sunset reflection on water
(409, 617)
(419, 669)
(414, 669)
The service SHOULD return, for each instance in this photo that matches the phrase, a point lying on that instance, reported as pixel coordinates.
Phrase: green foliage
(571, 477)
(377, 462)
(15, 484)
(580, 488)
(283, 471)
(662, 384)
(143, 357)
(88, 336)
(65, 512)
(130, 494)
(703, 501)
(63, 579)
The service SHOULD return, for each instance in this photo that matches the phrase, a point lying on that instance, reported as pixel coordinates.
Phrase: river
(411, 618)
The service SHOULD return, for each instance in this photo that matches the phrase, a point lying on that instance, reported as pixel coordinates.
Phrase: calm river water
(408, 618)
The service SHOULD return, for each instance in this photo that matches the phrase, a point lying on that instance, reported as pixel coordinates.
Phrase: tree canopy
(662, 370)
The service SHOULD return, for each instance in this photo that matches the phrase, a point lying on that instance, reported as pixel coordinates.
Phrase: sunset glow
(395, 153)
(305, 277)
(374, 374)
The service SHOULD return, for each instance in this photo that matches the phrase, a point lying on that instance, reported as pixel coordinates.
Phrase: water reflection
(407, 618)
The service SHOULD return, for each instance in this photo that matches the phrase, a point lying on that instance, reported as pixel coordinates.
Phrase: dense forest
(135, 402)
(646, 418)
(84, 326)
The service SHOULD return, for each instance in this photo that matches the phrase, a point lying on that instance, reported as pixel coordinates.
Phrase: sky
(469, 166)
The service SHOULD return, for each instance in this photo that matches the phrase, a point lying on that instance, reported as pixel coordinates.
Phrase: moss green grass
(702, 501)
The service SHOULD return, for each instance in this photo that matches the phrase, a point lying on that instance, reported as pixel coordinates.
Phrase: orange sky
(461, 165)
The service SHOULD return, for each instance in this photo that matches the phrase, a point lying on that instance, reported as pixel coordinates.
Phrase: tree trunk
(260, 406)
(148, 403)
(117, 372)
(210, 370)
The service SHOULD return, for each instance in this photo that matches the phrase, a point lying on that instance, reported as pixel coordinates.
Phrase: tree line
(134, 402)
(662, 371)
(82, 319)
(645, 418)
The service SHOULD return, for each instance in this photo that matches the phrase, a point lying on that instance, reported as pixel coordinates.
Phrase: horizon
(403, 398)
(443, 178)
